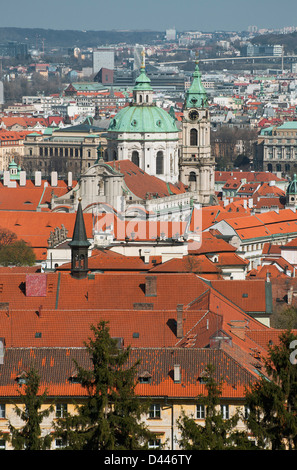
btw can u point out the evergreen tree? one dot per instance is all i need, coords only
(29, 436)
(272, 400)
(216, 433)
(111, 416)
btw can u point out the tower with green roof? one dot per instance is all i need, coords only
(291, 193)
(196, 163)
(145, 133)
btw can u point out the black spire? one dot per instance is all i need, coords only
(79, 246)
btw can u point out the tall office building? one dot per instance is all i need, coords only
(137, 57)
(103, 58)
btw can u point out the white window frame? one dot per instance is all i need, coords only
(200, 412)
(2, 411)
(225, 411)
(61, 410)
(155, 411)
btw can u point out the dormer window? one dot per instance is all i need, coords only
(145, 377)
(22, 378)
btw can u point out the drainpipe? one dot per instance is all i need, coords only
(170, 407)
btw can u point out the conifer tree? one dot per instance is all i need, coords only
(110, 418)
(29, 437)
(216, 433)
(272, 400)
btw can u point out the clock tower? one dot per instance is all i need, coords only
(196, 163)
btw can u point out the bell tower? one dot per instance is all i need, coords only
(79, 247)
(196, 165)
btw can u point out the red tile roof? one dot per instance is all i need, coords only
(29, 197)
(35, 227)
(144, 185)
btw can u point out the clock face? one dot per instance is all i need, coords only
(193, 114)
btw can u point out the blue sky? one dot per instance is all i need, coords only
(157, 15)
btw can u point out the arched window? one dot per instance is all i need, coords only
(160, 163)
(135, 158)
(287, 167)
(278, 167)
(269, 167)
(192, 176)
(193, 137)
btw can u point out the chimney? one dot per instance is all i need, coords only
(6, 178)
(290, 295)
(179, 321)
(69, 179)
(37, 178)
(238, 328)
(151, 286)
(54, 178)
(2, 350)
(176, 373)
(23, 178)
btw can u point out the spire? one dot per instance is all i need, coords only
(79, 247)
(196, 96)
(79, 237)
(142, 82)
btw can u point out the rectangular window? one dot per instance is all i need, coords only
(225, 411)
(60, 444)
(200, 412)
(61, 410)
(246, 412)
(155, 411)
(2, 444)
(2, 411)
(154, 444)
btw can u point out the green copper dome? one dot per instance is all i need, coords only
(142, 115)
(196, 96)
(147, 119)
(292, 187)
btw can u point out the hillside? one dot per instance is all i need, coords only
(72, 38)
(289, 41)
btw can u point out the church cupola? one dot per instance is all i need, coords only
(79, 247)
(143, 91)
(196, 96)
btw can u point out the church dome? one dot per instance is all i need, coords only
(144, 119)
(142, 115)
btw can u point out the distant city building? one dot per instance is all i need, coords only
(1, 94)
(170, 34)
(104, 76)
(14, 49)
(254, 50)
(137, 57)
(103, 58)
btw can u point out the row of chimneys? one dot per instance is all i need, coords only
(37, 179)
